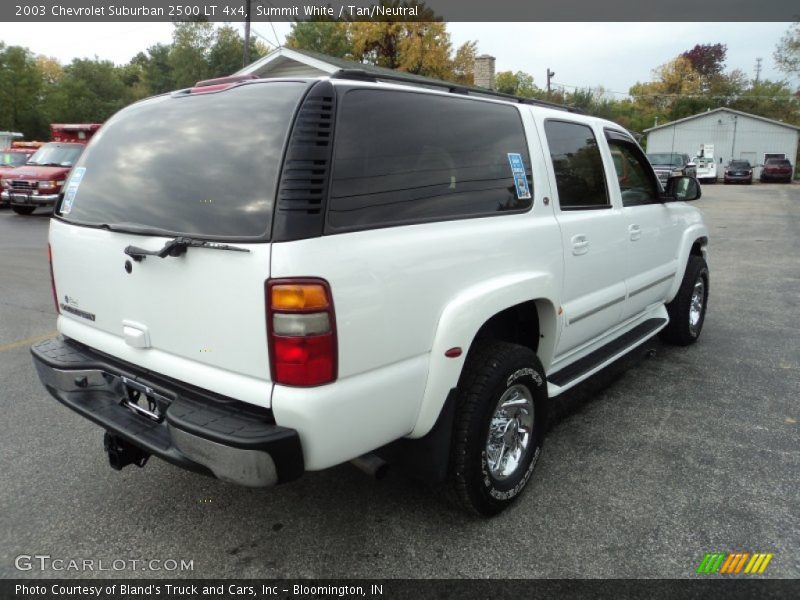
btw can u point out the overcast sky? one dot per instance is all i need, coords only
(612, 55)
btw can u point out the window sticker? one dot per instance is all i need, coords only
(520, 178)
(72, 189)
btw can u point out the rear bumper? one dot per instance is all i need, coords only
(28, 199)
(775, 176)
(738, 178)
(215, 436)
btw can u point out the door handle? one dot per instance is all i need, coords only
(580, 244)
(635, 232)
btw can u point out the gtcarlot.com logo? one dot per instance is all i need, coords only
(732, 563)
(45, 562)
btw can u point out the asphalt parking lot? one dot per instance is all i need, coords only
(647, 466)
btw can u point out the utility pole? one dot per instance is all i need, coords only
(246, 52)
(758, 69)
(550, 75)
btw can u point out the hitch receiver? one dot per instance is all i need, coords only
(122, 453)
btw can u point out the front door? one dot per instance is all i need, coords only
(651, 227)
(593, 291)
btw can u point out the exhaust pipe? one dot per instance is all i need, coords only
(372, 464)
(122, 453)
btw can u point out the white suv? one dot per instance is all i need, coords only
(255, 278)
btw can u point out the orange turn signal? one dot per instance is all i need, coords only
(305, 296)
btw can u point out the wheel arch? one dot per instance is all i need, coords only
(693, 243)
(503, 309)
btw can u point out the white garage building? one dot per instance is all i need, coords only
(733, 133)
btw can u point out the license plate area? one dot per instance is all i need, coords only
(143, 400)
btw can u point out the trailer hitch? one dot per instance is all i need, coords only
(122, 453)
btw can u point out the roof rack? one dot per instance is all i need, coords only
(453, 88)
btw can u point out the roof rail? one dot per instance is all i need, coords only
(453, 88)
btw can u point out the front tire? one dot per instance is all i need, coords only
(687, 311)
(23, 210)
(499, 427)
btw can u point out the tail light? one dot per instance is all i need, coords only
(301, 330)
(52, 278)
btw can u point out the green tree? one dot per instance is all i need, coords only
(463, 63)
(225, 55)
(188, 55)
(155, 70)
(787, 52)
(517, 84)
(326, 37)
(21, 86)
(90, 91)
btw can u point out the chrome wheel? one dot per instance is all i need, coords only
(696, 305)
(510, 432)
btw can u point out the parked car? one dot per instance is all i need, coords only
(739, 171)
(671, 164)
(15, 156)
(415, 288)
(777, 169)
(39, 181)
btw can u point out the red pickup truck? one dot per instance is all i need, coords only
(38, 182)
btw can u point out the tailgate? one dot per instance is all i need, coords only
(199, 317)
(199, 168)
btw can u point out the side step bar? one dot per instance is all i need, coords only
(570, 374)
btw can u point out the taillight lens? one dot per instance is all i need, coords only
(301, 326)
(52, 278)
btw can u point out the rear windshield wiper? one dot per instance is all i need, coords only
(177, 247)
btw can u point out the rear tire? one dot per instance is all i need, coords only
(23, 210)
(499, 426)
(687, 311)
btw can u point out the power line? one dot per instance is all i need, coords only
(272, 25)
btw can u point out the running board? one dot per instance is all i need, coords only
(581, 368)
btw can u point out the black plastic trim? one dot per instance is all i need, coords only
(301, 198)
(231, 423)
(426, 458)
(453, 88)
(580, 367)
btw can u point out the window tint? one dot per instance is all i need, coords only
(406, 157)
(577, 164)
(635, 178)
(203, 164)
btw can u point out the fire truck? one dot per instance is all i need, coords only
(38, 182)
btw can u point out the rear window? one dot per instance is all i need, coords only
(740, 164)
(407, 157)
(205, 165)
(778, 162)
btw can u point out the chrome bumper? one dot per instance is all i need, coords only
(29, 199)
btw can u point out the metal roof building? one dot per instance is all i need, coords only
(734, 134)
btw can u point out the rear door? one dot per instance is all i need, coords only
(203, 166)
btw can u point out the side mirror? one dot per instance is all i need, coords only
(682, 189)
